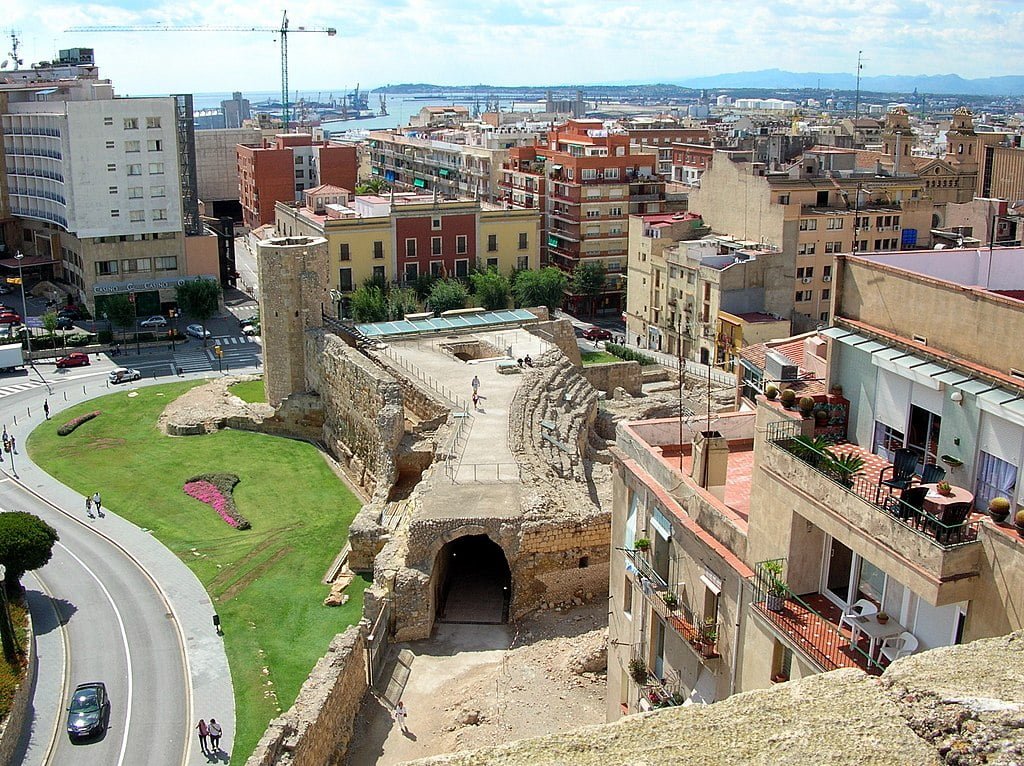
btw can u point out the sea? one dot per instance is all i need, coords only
(400, 106)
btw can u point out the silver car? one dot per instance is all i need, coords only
(197, 331)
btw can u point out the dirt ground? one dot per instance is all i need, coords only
(476, 685)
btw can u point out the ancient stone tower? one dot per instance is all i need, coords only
(293, 292)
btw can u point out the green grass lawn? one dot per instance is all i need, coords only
(598, 357)
(250, 391)
(264, 582)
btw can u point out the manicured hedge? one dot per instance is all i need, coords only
(624, 352)
(74, 423)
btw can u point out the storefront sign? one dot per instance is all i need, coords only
(145, 285)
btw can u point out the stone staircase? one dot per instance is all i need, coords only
(550, 418)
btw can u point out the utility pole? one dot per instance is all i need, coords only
(856, 101)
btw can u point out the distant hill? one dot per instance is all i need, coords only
(1009, 85)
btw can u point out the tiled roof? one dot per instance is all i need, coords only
(793, 350)
(325, 189)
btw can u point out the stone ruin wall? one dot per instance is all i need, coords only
(363, 416)
(608, 377)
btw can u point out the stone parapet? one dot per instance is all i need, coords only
(608, 377)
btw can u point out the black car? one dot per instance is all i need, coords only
(89, 711)
(65, 323)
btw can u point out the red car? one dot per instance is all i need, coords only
(10, 317)
(597, 333)
(76, 359)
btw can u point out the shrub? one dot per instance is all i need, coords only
(78, 340)
(628, 354)
(216, 490)
(74, 423)
(771, 391)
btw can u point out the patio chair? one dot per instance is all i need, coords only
(851, 617)
(953, 517)
(932, 474)
(903, 466)
(902, 645)
(911, 509)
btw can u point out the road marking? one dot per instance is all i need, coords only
(66, 645)
(127, 650)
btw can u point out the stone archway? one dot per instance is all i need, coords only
(472, 581)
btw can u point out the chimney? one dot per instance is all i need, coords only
(710, 462)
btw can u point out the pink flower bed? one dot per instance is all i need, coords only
(215, 490)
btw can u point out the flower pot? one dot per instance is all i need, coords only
(775, 603)
(998, 516)
(882, 618)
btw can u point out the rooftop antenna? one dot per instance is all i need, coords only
(856, 101)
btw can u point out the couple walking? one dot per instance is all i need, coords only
(96, 501)
(211, 730)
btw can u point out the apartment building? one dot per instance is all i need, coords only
(817, 207)
(908, 385)
(592, 181)
(702, 296)
(217, 167)
(689, 161)
(282, 168)
(456, 162)
(396, 239)
(99, 191)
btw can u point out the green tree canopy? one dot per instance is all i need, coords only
(369, 304)
(402, 301)
(50, 321)
(492, 289)
(199, 299)
(120, 311)
(589, 279)
(540, 288)
(26, 543)
(375, 185)
(447, 294)
(423, 284)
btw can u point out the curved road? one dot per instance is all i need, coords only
(112, 605)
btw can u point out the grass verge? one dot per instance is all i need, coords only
(264, 582)
(249, 391)
(598, 357)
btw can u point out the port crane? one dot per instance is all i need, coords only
(281, 31)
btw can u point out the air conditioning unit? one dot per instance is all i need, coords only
(826, 278)
(806, 280)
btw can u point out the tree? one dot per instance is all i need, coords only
(374, 185)
(402, 301)
(199, 299)
(120, 311)
(422, 285)
(588, 279)
(369, 304)
(447, 294)
(540, 288)
(26, 543)
(493, 289)
(50, 323)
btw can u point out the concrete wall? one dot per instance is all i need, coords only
(317, 729)
(21, 703)
(217, 161)
(608, 377)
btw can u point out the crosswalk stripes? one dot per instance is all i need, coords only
(8, 390)
(192, 360)
(235, 340)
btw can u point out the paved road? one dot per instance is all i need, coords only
(115, 627)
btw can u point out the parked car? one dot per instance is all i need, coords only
(65, 323)
(597, 333)
(70, 312)
(197, 331)
(74, 359)
(89, 711)
(123, 375)
(10, 317)
(248, 329)
(154, 321)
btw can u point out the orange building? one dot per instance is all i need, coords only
(282, 168)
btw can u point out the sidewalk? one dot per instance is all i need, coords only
(210, 678)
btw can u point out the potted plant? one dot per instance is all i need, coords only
(999, 509)
(671, 599)
(638, 670)
(787, 397)
(845, 466)
(642, 544)
(709, 635)
(1018, 521)
(806, 405)
(821, 416)
(777, 591)
(944, 488)
(771, 392)
(836, 390)
(882, 618)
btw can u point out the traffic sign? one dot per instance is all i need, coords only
(36, 322)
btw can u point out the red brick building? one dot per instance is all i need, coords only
(280, 170)
(587, 182)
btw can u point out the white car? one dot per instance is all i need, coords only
(197, 331)
(124, 374)
(156, 321)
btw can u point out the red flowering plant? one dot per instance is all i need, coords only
(215, 489)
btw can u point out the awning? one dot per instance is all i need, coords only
(1003, 405)
(28, 261)
(419, 182)
(443, 172)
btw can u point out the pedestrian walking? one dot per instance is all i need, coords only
(46, 408)
(401, 713)
(14, 445)
(215, 734)
(204, 732)
(476, 384)
(88, 506)
(476, 401)
(96, 502)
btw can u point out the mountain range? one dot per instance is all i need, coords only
(1009, 85)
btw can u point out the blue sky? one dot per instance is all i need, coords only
(529, 42)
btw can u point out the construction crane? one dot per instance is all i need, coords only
(282, 32)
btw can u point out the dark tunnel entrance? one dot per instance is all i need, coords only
(472, 581)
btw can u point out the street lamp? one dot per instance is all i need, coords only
(24, 306)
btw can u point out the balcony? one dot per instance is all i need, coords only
(810, 625)
(702, 636)
(938, 561)
(12, 151)
(655, 692)
(48, 132)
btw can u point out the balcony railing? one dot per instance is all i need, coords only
(701, 635)
(14, 151)
(643, 568)
(656, 692)
(35, 173)
(785, 435)
(806, 629)
(49, 132)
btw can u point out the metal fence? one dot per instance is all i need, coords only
(434, 385)
(487, 473)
